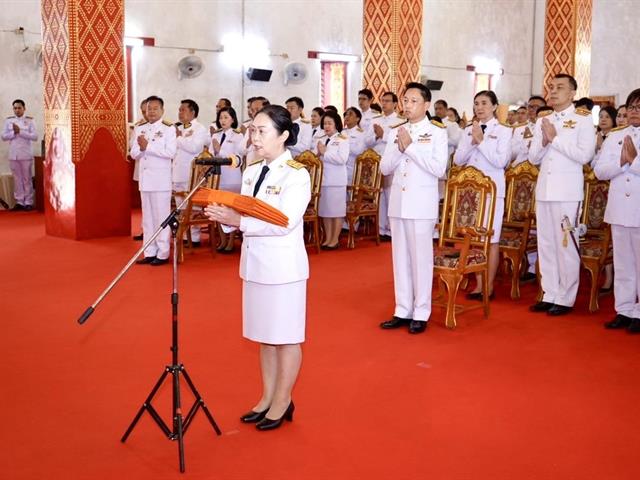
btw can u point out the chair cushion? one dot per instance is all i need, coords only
(449, 257)
(365, 207)
(593, 248)
(510, 238)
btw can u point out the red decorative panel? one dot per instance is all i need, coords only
(392, 40)
(567, 42)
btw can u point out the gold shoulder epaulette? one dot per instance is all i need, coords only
(11, 116)
(583, 111)
(237, 130)
(30, 118)
(186, 125)
(437, 124)
(399, 124)
(617, 129)
(359, 129)
(401, 117)
(255, 162)
(545, 113)
(377, 116)
(167, 123)
(295, 164)
(505, 124)
(304, 120)
(342, 136)
(141, 122)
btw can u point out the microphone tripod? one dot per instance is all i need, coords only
(180, 423)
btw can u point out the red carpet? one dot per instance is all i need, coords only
(515, 396)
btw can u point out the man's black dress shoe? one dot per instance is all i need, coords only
(395, 322)
(417, 326)
(634, 327)
(385, 238)
(28, 208)
(268, 424)
(159, 261)
(604, 291)
(558, 310)
(528, 277)
(17, 207)
(478, 296)
(146, 260)
(193, 244)
(619, 321)
(138, 238)
(541, 307)
(253, 417)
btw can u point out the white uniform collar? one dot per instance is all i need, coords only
(282, 158)
(567, 111)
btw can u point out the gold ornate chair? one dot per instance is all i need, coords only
(311, 220)
(519, 214)
(463, 246)
(364, 197)
(596, 248)
(193, 215)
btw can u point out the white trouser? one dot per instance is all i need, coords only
(156, 206)
(559, 264)
(195, 229)
(412, 249)
(22, 182)
(626, 266)
(383, 213)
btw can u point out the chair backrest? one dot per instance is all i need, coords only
(367, 177)
(469, 201)
(521, 192)
(596, 193)
(454, 171)
(198, 171)
(314, 166)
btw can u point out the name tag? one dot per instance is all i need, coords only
(273, 190)
(425, 138)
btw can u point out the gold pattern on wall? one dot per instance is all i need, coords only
(392, 40)
(567, 42)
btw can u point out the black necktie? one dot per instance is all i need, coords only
(313, 134)
(483, 127)
(326, 142)
(263, 174)
(224, 135)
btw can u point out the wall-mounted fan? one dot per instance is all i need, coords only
(294, 72)
(190, 67)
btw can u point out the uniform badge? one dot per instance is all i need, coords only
(425, 138)
(273, 190)
(493, 136)
(527, 133)
(248, 181)
(158, 134)
(569, 124)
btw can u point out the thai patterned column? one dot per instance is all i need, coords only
(392, 41)
(87, 185)
(567, 42)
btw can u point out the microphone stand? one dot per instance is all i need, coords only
(180, 423)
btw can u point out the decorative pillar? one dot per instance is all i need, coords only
(392, 40)
(567, 42)
(87, 184)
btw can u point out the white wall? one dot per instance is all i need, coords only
(457, 32)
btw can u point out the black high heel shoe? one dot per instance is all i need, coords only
(268, 424)
(253, 417)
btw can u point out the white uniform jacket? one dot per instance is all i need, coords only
(304, 138)
(194, 137)
(334, 173)
(454, 134)
(357, 144)
(491, 156)
(520, 142)
(318, 135)
(385, 122)
(234, 144)
(623, 205)
(155, 161)
(561, 178)
(414, 189)
(273, 254)
(20, 144)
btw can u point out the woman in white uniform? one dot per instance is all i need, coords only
(273, 263)
(317, 133)
(486, 145)
(228, 141)
(334, 153)
(357, 139)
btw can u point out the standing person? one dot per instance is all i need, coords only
(273, 265)
(365, 97)
(191, 138)
(256, 104)
(563, 141)
(621, 117)
(357, 139)
(486, 145)
(228, 141)
(620, 163)
(317, 133)
(416, 156)
(136, 163)
(155, 146)
(295, 105)
(606, 122)
(20, 130)
(334, 153)
(523, 133)
(454, 132)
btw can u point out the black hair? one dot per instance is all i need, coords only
(367, 93)
(455, 114)
(226, 101)
(612, 112)
(376, 107)
(319, 111)
(281, 121)
(624, 105)
(331, 107)
(633, 97)
(264, 101)
(572, 81)
(424, 91)
(144, 102)
(232, 114)
(251, 99)
(154, 98)
(442, 102)
(537, 97)
(334, 116)
(394, 97)
(584, 102)
(356, 111)
(544, 108)
(490, 94)
(17, 100)
(193, 106)
(521, 108)
(298, 101)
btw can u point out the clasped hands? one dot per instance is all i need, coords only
(16, 129)
(222, 214)
(404, 139)
(548, 132)
(629, 151)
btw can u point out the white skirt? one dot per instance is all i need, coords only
(274, 314)
(497, 220)
(333, 203)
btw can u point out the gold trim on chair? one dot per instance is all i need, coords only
(363, 205)
(311, 220)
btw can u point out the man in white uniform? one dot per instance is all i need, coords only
(155, 147)
(295, 105)
(563, 141)
(416, 155)
(20, 130)
(191, 137)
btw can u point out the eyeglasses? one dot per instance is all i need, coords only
(633, 108)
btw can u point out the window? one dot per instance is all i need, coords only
(483, 81)
(333, 84)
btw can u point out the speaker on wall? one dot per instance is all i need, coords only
(259, 74)
(434, 84)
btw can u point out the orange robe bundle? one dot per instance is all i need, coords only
(246, 205)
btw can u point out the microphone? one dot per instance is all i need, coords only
(233, 161)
